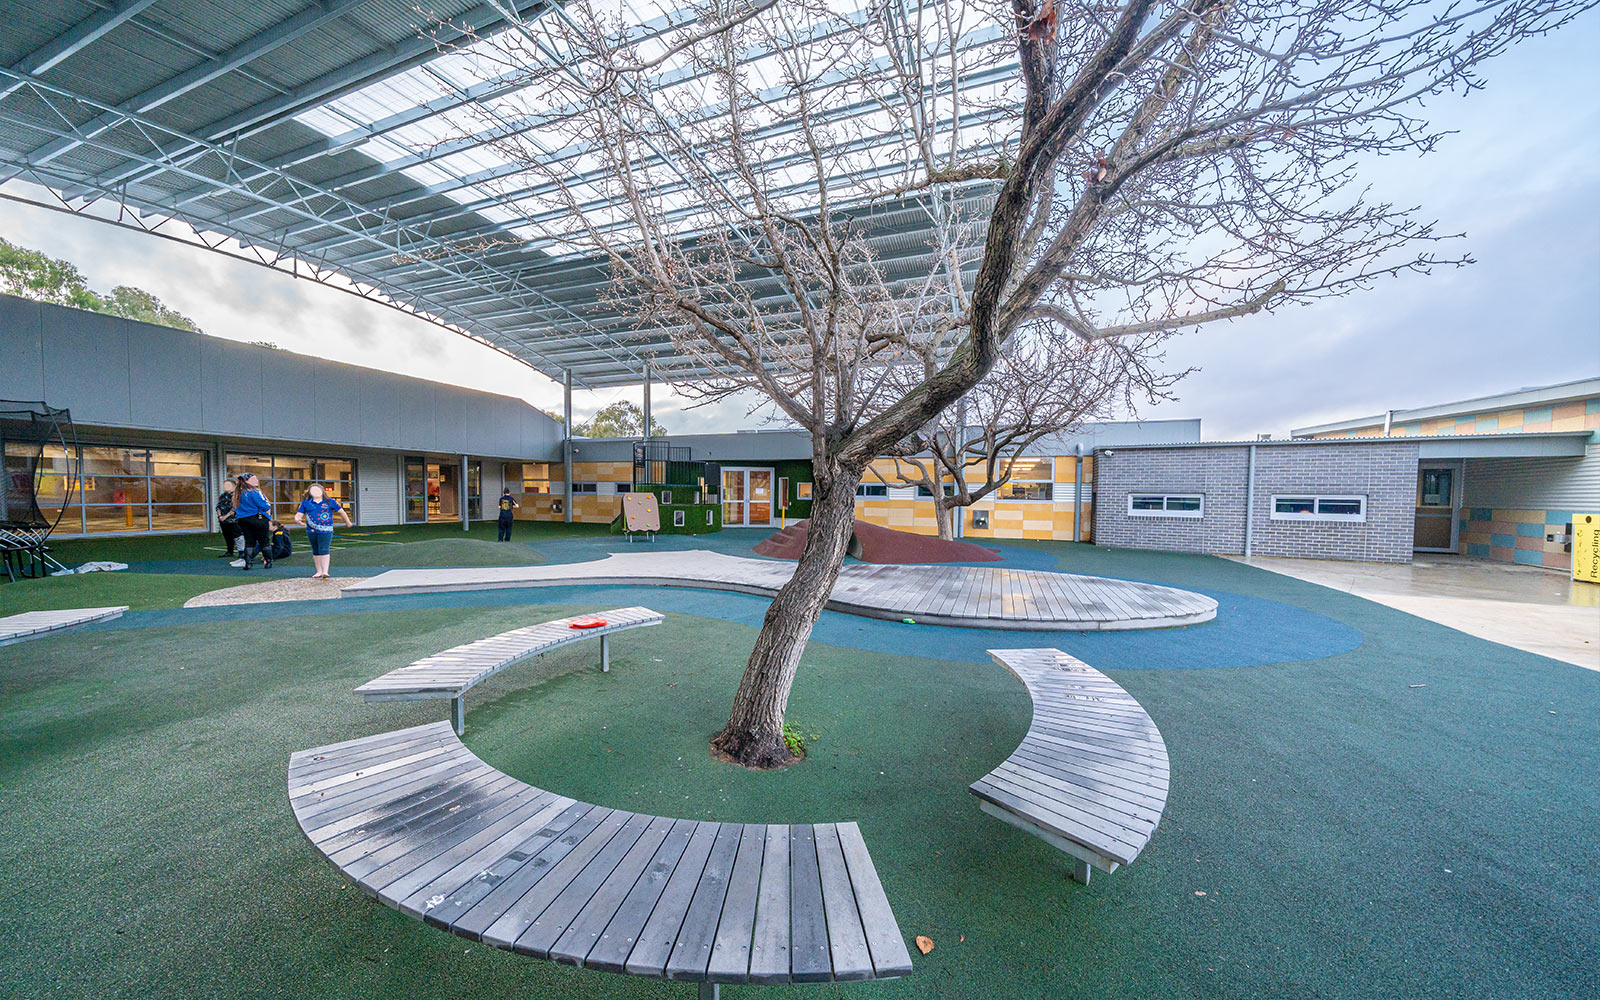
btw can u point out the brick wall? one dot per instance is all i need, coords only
(1384, 473)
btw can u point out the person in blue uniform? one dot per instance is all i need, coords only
(252, 511)
(508, 503)
(316, 513)
(282, 545)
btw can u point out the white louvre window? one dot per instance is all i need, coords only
(1166, 504)
(1312, 507)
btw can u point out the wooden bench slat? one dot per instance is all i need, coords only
(447, 912)
(654, 947)
(769, 941)
(584, 929)
(515, 919)
(553, 922)
(691, 952)
(549, 853)
(809, 961)
(730, 952)
(847, 942)
(890, 957)
(467, 823)
(456, 867)
(617, 941)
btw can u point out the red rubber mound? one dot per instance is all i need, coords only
(874, 544)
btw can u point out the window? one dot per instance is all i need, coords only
(1031, 479)
(677, 518)
(578, 488)
(1310, 507)
(711, 517)
(1166, 504)
(286, 480)
(475, 490)
(122, 489)
(666, 497)
(923, 493)
(624, 488)
(871, 491)
(536, 477)
(802, 491)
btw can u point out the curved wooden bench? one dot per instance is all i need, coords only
(418, 821)
(1090, 778)
(452, 673)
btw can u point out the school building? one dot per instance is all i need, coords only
(166, 415)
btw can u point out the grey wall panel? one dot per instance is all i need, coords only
(288, 397)
(118, 374)
(1570, 484)
(86, 365)
(230, 390)
(164, 377)
(22, 373)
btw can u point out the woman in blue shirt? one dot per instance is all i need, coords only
(316, 513)
(251, 510)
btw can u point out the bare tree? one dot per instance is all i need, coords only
(1047, 381)
(1116, 170)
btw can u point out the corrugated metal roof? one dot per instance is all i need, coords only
(309, 131)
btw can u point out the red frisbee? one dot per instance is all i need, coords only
(588, 621)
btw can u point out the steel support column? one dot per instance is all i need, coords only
(566, 446)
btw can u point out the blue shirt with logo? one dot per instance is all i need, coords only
(253, 503)
(319, 513)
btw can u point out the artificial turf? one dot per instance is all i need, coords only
(1354, 834)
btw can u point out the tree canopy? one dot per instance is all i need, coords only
(42, 278)
(620, 419)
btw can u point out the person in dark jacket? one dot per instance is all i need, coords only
(252, 511)
(226, 519)
(282, 547)
(508, 503)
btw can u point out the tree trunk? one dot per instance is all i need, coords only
(754, 733)
(941, 515)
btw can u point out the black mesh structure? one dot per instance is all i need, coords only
(26, 431)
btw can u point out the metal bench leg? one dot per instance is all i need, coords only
(1080, 871)
(708, 991)
(605, 654)
(458, 713)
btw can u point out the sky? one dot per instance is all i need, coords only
(1520, 178)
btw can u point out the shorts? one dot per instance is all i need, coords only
(321, 541)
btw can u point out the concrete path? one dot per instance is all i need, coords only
(965, 596)
(1536, 610)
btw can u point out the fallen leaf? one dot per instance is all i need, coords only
(924, 944)
(1197, 892)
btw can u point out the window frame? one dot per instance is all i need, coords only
(1166, 508)
(1049, 483)
(1315, 513)
(872, 496)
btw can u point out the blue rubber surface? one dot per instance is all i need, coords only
(1248, 631)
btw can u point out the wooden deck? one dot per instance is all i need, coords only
(416, 820)
(1090, 778)
(33, 624)
(452, 673)
(966, 596)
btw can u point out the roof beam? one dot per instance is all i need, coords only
(72, 41)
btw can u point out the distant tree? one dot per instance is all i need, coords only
(34, 275)
(136, 303)
(269, 345)
(620, 419)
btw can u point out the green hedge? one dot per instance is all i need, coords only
(698, 518)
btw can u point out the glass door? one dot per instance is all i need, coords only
(1436, 509)
(746, 497)
(760, 489)
(733, 497)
